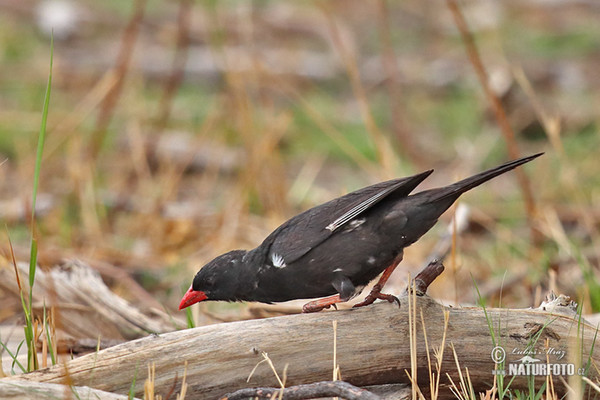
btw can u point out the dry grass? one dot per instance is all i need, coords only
(149, 389)
(265, 110)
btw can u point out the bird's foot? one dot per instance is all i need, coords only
(376, 294)
(321, 304)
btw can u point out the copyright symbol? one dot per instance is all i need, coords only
(498, 354)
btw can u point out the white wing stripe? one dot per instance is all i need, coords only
(358, 209)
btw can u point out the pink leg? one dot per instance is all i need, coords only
(376, 291)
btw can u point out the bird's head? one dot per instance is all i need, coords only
(217, 280)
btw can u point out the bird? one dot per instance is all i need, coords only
(332, 251)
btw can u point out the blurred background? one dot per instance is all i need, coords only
(179, 130)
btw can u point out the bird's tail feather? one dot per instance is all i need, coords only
(460, 187)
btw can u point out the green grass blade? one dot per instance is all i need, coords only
(588, 365)
(49, 338)
(75, 393)
(14, 356)
(189, 318)
(490, 324)
(32, 268)
(188, 311)
(503, 387)
(32, 361)
(38, 160)
(42, 133)
(131, 394)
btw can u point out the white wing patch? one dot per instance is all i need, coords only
(278, 261)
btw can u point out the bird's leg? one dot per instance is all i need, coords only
(320, 304)
(376, 291)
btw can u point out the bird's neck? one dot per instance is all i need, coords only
(247, 275)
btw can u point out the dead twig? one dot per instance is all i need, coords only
(427, 276)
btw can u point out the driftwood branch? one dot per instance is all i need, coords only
(372, 348)
(309, 391)
(24, 390)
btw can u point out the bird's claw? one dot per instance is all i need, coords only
(376, 294)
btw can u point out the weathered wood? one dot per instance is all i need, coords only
(309, 391)
(86, 306)
(24, 390)
(372, 348)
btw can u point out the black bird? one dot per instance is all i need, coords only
(334, 249)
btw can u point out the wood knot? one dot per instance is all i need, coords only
(532, 330)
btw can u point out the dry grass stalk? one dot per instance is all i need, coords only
(453, 261)
(592, 384)
(150, 387)
(183, 392)
(464, 391)
(285, 368)
(329, 129)
(575, 382)
(2, 374)
(407, 145)
(44, 346)
(270, 363)
(336, 367)
(385, 155)
(550, 393)
(434, 376)
(499, 112)
(122, 65)
(67, 129)
(184, 19)
(16, 269)
(412, 331)
(551, 123)
(279, 380)
(149, 383)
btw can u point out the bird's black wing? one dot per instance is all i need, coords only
(307, 230)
